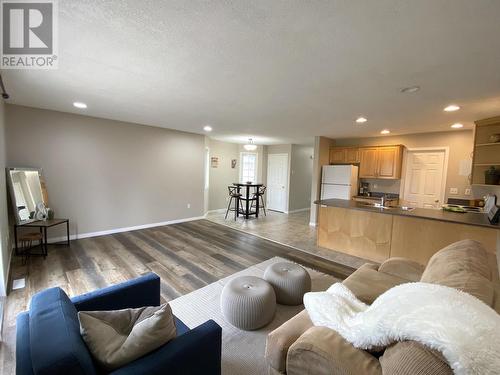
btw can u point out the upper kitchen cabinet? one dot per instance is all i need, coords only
(486, 155)
(344, 155)
(368, 164)
(382, 162)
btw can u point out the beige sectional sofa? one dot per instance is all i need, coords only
(299, 348)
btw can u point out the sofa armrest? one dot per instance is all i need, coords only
(139, 292)
(197, 351)
(23, 348)
(322, 351)
(279, 341)
(402, 267)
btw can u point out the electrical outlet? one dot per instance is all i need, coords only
(453, 190)
(467, 191)
(189, 205)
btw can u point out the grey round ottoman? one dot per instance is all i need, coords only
(248, 302)
(290, 282)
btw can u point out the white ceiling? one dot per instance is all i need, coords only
(278, 71)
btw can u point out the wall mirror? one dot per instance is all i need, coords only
(27, 193)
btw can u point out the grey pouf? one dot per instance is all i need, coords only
(290, 282)
(248, 302)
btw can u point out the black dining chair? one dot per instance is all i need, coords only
(233, 194)
(259, 194)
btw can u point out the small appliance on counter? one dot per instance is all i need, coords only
(492, 209)
(364, 188)
(339, 181)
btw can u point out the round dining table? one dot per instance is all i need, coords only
(247, 196)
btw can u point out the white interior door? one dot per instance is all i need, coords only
(424, 179)
(277, 182)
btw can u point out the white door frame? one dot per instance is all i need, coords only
(446, 150)
(287, 185)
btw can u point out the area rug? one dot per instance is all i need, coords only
(242, 351)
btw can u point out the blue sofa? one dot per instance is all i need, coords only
(49, 341)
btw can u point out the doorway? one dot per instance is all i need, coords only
(425, 177)
(277, 182)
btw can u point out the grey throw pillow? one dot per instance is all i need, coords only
(118, 337)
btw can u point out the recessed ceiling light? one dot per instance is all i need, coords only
(361, 120)
(385, 131)
(207, 128)
(80, 105)
(410, 89)
(457, 126)
(451, 108)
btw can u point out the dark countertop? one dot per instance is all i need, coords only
(477, 219)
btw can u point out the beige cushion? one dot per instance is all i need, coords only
(402, 267)
(462, 265)
(322, 351)
(463, 256)
(117, 337)
(367, 283)
(412, 358)
(279, 341)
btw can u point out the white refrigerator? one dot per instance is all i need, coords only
(339, 181)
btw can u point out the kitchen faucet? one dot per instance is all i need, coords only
(382, 200)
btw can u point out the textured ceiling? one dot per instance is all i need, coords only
(278, 71)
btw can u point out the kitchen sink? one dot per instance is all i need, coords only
(377, 205)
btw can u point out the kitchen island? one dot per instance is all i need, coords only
(378, 233)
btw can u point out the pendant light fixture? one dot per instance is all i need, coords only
(250, 146)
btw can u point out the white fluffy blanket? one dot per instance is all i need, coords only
(464, 329)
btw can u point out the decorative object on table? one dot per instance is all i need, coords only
(494, 138)
(41, 212)
(248, 302)
(214, 162)
(51, 213)
(290, 282)
(250, 145)
(118, 337)
(492, 176)
(233, 163)
(249, 182)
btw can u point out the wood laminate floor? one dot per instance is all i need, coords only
(186, 256)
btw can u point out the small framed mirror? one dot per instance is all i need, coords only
(27, 192)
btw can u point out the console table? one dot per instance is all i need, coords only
(42, 225)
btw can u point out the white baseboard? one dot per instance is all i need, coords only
(120, 230)
(219, 210)
(299, 210)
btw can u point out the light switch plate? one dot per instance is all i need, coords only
(467, 191)
(453, 190)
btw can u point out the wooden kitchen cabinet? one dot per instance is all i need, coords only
(381, 162)
(337, 155)
(368, 162)
(390, 160)
(344, 155)
(352, 155)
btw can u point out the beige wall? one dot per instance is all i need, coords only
(300, 177)
(105, 175)
(222, 176)
(460, 144)
(5, 248)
